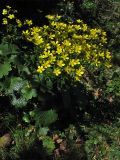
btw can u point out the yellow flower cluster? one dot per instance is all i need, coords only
(69, 48)
(9, 14)
(65, 48)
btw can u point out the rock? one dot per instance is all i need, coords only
(5, 140)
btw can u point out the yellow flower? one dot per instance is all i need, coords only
(40, 69)
(28, 22)
(80, 71)
(104, 33)
(108, 55)
(59, 50)
(26, 32)
(19, 23)
(68, 69)
(57, 71)
(67, 43)
(45, 54)
(58, 17)
(77, 78)
(102, 54)
(78, 21)
(77, 36)
(8, 7)
(48, 46)
(4, 12)
(77, 27)
(38, 40)
(93, 32)
(104, 39)
(52, 36)
(65, 56)
(88, 46)
(60, 63)
(70, 28)
(35, 30)
(78, 48)
(46, 64)
(5, 21)
(45, 27)
(96, 62)
(53, 23)
(74, 62)
(84, 28)
(11, 16)
(50, 17)
(60, 25)
(52, 59)
(108, 65)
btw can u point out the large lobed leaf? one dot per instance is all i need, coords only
(5, 68)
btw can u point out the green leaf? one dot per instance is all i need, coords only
(26, 69)
(47, 117)
(19, 103)
(26, 118)
(22, 68)
(16, 84)
(6, 49)
(49, 84)
(32, 113)
(20, 91)
(28, 93)
(5, 69)
(43, 131)
(48, 144)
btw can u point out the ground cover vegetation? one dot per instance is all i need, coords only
(60, 81)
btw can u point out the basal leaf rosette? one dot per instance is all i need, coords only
(69, 49)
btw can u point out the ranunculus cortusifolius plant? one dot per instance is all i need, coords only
(66, 49)
(69, 49)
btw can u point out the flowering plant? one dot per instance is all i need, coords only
(69, 49)
(65, 49)
(36, 63)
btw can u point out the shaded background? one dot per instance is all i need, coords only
(31, 9)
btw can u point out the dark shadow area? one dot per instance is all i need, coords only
(31, 9)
